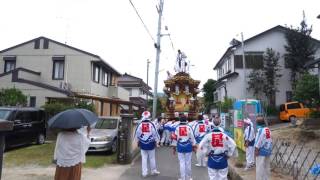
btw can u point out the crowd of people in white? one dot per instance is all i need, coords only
(204, 136)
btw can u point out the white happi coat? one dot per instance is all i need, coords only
(147, 135)
(219, 147)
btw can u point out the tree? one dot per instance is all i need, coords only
(160, 108)
(12, 97)
(307, 90)
(256, 82)
(271, 71)
(208, 90)
(266, 79)
(299, 49)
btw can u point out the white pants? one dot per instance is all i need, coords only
(145, 154)
(201, 157)
(218, 174)
(165, 137)
(185, 165)
(250, 155)
(262, 167)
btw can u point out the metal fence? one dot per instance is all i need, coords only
(295, 160)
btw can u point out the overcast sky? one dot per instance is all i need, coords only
(112, 30)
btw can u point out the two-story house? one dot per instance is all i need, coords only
(230, 68)
(44, 69)
(139, 91)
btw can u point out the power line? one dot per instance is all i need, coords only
(146, 28)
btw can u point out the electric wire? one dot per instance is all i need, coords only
(144, 25)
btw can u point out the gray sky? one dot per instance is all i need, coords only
(111, 29)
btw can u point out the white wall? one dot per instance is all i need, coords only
(78, 67)
(275, 40)
(29, 90)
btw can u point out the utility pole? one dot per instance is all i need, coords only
(244, 77)
(319, 65)
(157, 46)
(148, 62)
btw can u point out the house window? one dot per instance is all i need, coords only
(37, 43)
(130, 92)
(105, 78)
(58, 68)
(289, 96)
(229, 65)
(238, 62)
(45, 44)
(96, 73)
(253, 61)
(32, 102)
(9, 63)
(112, 80)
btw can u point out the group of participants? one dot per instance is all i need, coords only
(205, 137)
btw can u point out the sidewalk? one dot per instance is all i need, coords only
(240, 174)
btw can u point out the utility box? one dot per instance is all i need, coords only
(125, 138)
(5, 126)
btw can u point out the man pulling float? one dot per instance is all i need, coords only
(219, 148)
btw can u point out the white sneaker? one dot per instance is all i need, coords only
(198, 165)
(155, 172)
(144, 176)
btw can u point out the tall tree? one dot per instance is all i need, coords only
(208, 89)
(265, 81)
(256, 82)
(271, 70)
(299, 49)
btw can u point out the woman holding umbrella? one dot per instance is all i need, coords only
(72, 141)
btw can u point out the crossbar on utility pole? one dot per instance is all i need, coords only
(155, 90)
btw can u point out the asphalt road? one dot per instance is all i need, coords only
(168, 166)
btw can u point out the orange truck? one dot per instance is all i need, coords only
(291, 110)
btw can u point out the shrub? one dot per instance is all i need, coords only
(56, 107)
(12, 97)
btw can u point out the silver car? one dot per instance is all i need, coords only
(104, 135)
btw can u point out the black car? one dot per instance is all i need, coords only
(29, 125)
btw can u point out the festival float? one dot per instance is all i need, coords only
(181, 90)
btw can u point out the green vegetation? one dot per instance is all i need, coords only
(300, 49)
(266, 79)
(42, 155)
(56, 107)
(307, 90)
(226, 105)
(160, 107)
(208, 89)
(12, 97)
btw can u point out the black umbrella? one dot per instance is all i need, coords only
(72, 119)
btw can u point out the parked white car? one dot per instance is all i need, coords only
(104, 135)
